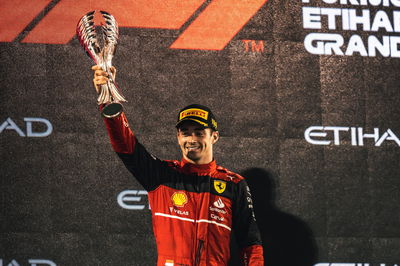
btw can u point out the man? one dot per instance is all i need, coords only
(195, 203)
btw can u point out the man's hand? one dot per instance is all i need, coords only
(101, 77)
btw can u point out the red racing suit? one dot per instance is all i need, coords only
(194, 207)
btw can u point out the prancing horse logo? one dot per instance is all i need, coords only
(219, 186)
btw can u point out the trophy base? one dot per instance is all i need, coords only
(112, 110)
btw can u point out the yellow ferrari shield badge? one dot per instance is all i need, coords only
(219, 186)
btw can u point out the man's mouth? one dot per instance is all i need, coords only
(193, 148)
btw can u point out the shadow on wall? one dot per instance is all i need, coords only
(287, 240)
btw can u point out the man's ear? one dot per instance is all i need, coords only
(215, 137)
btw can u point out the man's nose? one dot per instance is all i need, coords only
(192, 138)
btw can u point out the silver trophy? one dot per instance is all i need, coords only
(86, 32)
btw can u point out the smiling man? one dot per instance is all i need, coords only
(195, 203)
(195, 136)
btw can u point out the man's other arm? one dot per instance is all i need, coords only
(245, 228)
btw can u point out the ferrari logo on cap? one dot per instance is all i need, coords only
(219, 186)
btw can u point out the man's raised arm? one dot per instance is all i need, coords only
(121, 136)
(147, 169)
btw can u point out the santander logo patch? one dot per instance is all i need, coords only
(219, 204)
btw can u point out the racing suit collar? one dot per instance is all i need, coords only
(191, 168)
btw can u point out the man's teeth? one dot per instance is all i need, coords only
(193, 148)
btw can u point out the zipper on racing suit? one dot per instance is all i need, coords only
(198, 252)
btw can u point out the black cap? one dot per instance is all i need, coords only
(198, 113)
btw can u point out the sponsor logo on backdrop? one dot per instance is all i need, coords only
(358, 16)
(358, 136)
(354, 264)
(204, 25)
(133, 199)
(44, 124)
(254, 46)
(31, 262)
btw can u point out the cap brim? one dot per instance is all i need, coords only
(191, 119)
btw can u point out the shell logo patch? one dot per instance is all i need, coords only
(179, 199)
(219, 186)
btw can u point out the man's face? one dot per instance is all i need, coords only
(196, 142)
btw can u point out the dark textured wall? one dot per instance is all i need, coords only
(315, 203)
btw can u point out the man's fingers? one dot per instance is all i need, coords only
(97, 87)
(96, 67)
(100, 73)
(113, 72)
(100, 80)
(101, 77)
